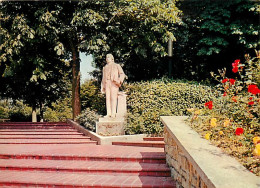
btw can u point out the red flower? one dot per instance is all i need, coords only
(224, 94)
(251, 103)
(235, 65)
(225, 80)
(235, 69)
(250, 98)
(209, 105)
(239, 131)
(232, 81)
(253, 89)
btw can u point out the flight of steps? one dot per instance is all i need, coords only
(56, 155)
(147, 142)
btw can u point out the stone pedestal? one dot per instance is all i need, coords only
(114, 126)
(121, 105)
(110, 126)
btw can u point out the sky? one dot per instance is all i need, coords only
(85, 66)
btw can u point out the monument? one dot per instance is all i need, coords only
(112, 78)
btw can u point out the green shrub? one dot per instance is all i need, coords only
(147, 101)
(60, 111)
(19, 112)
(88, 119)
(4, 110)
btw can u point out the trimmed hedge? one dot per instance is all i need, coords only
(147, 101)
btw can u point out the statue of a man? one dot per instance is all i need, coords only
(113, 77)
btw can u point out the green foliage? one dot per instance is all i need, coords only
(19, 112)
(147, 101)
(212, 34)
(59, 111)
(91, 97)
(4, 109)
(88, 119)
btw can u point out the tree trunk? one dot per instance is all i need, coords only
(76, 106)
(34, 115)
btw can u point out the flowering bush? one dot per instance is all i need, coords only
(231, 120)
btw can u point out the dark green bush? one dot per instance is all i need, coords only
(147, 101)
(88, 119)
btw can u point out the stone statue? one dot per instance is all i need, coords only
(113, 77)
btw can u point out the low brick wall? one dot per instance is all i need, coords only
(195, 163)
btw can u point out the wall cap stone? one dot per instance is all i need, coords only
(216, 168)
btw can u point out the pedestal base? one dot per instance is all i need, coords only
(110, 126)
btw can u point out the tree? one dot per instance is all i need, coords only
(28, 62)
(94, 27)
(213, 34)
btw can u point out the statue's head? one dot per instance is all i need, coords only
(109, 58)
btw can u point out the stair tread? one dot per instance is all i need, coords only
(153, 138)
(37, 130)
(44, 141)
(83, 151)
(43, 137)
(82, 165)
(142, 142)
(40, 133)
(81, 179)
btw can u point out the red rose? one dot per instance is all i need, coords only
(251, 103)
(209, 105)
(253, 89)
(235, 69)
(225, 80)
(232, 81)
(224, 94)
(236, 63)
(239, 131)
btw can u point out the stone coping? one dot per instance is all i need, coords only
(105, 140)
(215, 167)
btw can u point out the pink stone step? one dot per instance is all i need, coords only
(69, 179)
(157, 144)
(35, 127)
(97, 167)
(23, 133)
(43, 137)
(33, 123)
(88, 152)
(38, 130)
(47, 141)
(153, 139)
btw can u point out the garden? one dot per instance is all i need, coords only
(213, 76)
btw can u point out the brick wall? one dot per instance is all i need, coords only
(182, 170)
